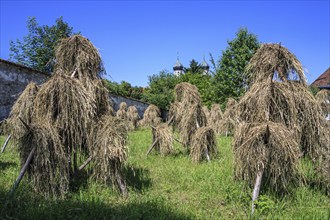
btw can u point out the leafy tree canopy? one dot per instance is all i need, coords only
(229, 80)
(37, 49)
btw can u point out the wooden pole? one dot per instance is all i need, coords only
(5, 144)
(89, 159)
(256, 188)
(23, 170)
(24, 123)
(152, 146)
(171, 120)
(122, 186)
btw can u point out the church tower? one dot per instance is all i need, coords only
(178, 68)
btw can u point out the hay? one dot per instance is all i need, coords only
(203, 143)
(164, 136)
(272, 61)
(151, 116)
(49, 169)
(215, 117)
(230, 119)
(23, 108)
(64, 103)
(77, 56)
(121, 113)
(173, 114)
(188, 111)
(193, 118)
(133, 117)
(108, 145)
(269, 146)
(323, 98)
(290, 104)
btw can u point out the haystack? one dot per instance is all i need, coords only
(277, 103)
(204, 145)
(48, 171)
(73, 120)
(273, 61)
(76, 56)
(189, 111)
(23, 108)
(323, 98)
(108, 147)
(267, 148)
(133, 117)
(214, 120)
(162, 139)
(121, 113)
(151, 116)
(66, 104)
(229, 118)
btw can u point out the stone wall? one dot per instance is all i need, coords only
(14, 78)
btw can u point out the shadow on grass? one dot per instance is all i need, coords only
(27, 206)
(5, 165)
(137, 178)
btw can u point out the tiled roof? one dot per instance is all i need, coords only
(323, 79)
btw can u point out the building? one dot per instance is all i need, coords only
(323, 80)
(179, 69)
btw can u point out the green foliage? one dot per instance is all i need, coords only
(170, 187)
(37, 49)
(124, 89)
(160, 89)
(229, 79)
(194, 67)
(313, 89)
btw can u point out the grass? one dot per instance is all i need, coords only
(170, 187)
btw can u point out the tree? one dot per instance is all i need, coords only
(229, 80)
(161, 88)
(124, 89)
(37, 49)
(194, 67)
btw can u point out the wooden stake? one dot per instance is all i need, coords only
(23, 170)
(24, 123)
(171, 120)
(5, 144)
(256, 189)
(89, 159)
(122, 186)
(152, 146)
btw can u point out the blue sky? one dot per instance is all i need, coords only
(140, 38)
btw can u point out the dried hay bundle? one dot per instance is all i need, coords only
(215, 118)
(227, 124)
(186, 93)
(173, 114)
(23, 108)
(230, 103)
(203, 145)
(49, 169)
(102, 100)
(193, 118)
(64, 102)
(133, 116)
(272, 61)
(323, 98)
(269, 147)
(163, 135)
(207, 112)
(151, 116)
(121, 113)
(77, 56)
(108, 146)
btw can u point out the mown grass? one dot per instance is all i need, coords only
(170, 187)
